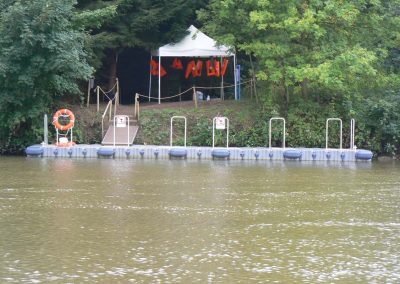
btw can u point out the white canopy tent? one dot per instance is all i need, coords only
(195, 44)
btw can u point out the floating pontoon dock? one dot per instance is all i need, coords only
(199, 153)
(129, 151)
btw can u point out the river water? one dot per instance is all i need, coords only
(146, 221)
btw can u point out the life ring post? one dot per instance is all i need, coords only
(64, 127)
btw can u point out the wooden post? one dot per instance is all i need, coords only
(251, 88)
(98, 98)
(255, 88)
(194, 97)
(253, 79)
(137, 106)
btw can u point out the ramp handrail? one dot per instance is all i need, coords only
(270, 130)
(171, 129)
(126, 125)
(327, 129)
(226, 120)
(104, 115)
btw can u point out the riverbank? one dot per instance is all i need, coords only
(305, 125)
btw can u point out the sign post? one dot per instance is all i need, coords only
(221, 123)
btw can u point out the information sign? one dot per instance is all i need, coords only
(121, 121)
(220, 123)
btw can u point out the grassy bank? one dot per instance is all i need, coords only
(155, 124)
(248, 125)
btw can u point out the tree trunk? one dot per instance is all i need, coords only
(304, 88)
(253, 78)
(113, 69)
(285, 88)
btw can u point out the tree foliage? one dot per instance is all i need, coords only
(42, 58)
(331, 47)
(342, 54)
(136, 23)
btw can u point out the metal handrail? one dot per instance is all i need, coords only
(327, 128)
(284, 130)
(172, 119)
(352, 132)
(227, 130)
(104, 115)
(116, 100)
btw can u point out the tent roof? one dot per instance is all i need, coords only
(195, 44)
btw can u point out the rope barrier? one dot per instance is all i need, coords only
(223, 87)
(196, 87)
(115, 84)
(105, 93)
(170, 97)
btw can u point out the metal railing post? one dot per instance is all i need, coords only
(171, 129)
(270, 131)
(327, 130)
(352, 132)
(45, 130)
(227, 130)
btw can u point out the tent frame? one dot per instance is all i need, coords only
(222, 77)
(198, 45)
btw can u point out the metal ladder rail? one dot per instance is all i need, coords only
(327, 130)
(171, 129)
(352, 132)
(227, 130)
(284, 131)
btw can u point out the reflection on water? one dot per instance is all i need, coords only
(125, 221)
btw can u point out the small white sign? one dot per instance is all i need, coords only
(121, 121)
(220, 123)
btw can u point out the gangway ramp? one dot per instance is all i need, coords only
(125, 132)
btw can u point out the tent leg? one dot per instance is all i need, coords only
(151, 58)
(234, 75)
(159, 78)
(222, 92)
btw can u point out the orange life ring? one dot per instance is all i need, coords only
(64, 112)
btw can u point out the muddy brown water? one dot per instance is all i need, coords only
(146, 221)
